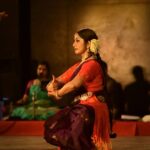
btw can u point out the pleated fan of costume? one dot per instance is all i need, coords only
(72, 127)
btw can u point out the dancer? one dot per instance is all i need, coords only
(88, 74)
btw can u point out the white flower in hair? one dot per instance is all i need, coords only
(94, 46)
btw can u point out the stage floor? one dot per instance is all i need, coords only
(38, 143)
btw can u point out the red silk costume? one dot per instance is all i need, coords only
(94, 82)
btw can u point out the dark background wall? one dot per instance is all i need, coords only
(9, 49)
(43, 29)
(14, 47)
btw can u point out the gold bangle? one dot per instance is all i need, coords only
(57, 95)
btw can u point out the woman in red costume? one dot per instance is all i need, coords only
(90, 75)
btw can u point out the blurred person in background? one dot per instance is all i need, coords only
(115, 95)
(35, 103)
(137, 94)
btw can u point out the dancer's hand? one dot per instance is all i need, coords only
(52, 88)
(54, 94)
(52, 85)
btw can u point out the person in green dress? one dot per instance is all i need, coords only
(35, 103)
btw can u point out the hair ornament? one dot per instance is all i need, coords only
(94, 46)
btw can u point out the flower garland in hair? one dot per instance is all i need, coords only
(94, 46)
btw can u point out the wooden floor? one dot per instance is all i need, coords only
(38, 143)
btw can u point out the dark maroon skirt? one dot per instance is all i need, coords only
(71, 128)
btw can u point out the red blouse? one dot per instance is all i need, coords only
(92, 73)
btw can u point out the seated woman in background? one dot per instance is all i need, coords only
(35, 103)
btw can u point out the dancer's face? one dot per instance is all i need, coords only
(79, 45)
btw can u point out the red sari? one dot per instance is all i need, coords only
(94, 82)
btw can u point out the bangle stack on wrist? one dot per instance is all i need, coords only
(57, 95)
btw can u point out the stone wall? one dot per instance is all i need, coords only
(123, 29)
